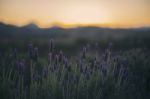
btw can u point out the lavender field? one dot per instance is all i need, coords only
(90, 74)
(74, 49)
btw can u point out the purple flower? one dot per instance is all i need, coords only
(49, 58)
(21, 66)
(60, 56)
(56, 59)
(104, 69)
(80, 65)
(106, 55)
(94, 62)
(56, 62)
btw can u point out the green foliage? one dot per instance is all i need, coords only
(109, 75)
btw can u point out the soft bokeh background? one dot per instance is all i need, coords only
(73, 23)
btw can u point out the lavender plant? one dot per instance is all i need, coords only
(106, 75)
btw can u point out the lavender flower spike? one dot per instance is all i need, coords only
(50, 58)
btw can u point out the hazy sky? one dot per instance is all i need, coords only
(114, 13)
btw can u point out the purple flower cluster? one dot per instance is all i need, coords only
(33, 52)
(21, 66)
(68, 71)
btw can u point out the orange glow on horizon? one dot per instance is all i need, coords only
(69, 25)
(74, 13)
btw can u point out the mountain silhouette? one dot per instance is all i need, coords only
(7, 30)
(30, 26)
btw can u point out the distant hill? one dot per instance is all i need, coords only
(30, 26)
(132, 36)
(32, 29)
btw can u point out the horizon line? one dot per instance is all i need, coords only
(66, 26)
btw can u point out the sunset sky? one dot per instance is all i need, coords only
(45, 13)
